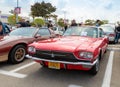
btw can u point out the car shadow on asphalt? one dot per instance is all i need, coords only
(62, 76)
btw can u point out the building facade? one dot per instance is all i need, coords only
(4, 18)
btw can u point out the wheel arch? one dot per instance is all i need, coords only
(24, 44)
(100, 54)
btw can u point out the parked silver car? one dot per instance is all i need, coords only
(110, 32)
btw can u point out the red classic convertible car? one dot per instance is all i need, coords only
(80, 48)
(13, 46)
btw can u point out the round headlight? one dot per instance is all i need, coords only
(31, 49)
(89, 55)
(86, 54)
(81, 54)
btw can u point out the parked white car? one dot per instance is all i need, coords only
(110, 32)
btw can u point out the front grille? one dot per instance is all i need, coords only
(56, 55)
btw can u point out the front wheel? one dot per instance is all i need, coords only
(43, 64)
(95, 68)
(17, 54)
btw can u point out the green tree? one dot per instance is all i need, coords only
(92, 22)
(42, 9)
(12, 19)
(104, 21)
(89, 22)
(61, 22)
(39, 22)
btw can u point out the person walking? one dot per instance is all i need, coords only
(65, 24)
(28, 24)
(1, 28)
(22, 23)
(50, 24)
(117, 30)
(97, 23)
(73, 23)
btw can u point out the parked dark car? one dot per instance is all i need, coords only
(13, 46)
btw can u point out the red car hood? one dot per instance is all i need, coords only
(69, 44)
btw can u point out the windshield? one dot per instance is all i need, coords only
(23, 32)
(82, 31)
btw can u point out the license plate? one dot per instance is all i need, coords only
(54, 65)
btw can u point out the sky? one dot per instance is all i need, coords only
(79, 10)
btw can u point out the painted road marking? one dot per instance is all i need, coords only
(113, 48)
(22, 67)
(108, 72)
(74, 86)
(12, 74)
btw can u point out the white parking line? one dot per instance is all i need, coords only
(74, 85)
(22, 67)
(108, 72)
(12, 74)
(113, 48)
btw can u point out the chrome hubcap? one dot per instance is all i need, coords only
(19, 54)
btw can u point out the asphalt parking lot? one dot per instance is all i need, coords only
(31, 74)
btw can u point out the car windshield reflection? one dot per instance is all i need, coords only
(81, 31)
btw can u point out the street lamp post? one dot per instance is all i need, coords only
(17, 13)
(64, 15)
(0, 15)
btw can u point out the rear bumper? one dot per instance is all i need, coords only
(64, 62)
(111, 38)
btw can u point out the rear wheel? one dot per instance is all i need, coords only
(17, 54)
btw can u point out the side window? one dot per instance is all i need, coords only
(44, 32)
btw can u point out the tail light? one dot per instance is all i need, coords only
(111, 35)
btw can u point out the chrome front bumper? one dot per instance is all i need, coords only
(64, 62)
